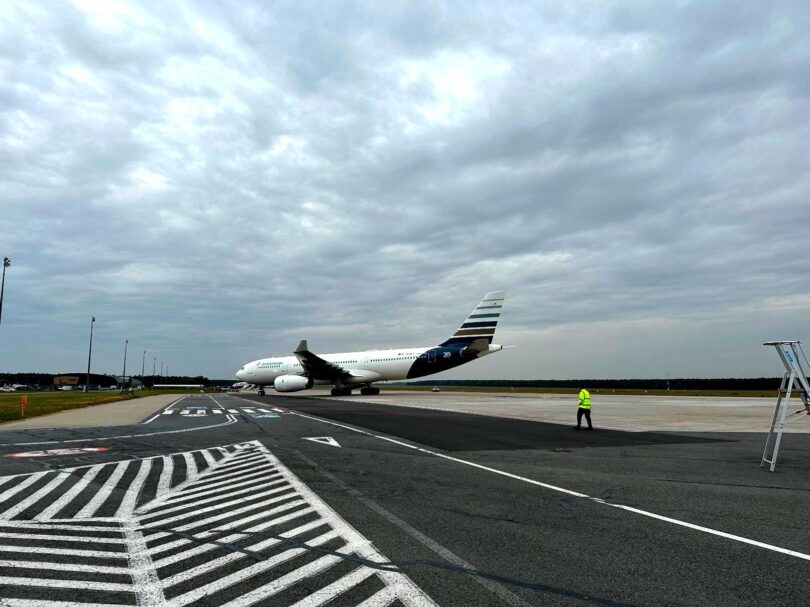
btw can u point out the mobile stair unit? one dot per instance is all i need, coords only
(797, 370)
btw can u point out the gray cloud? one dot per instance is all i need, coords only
(216, 183)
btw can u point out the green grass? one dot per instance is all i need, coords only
(44, 403)
(505, 390)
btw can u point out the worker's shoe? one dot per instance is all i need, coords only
(577, 428)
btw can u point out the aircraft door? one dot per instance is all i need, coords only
(431, 356)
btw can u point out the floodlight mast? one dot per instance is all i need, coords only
(6, 264)
(797, 370)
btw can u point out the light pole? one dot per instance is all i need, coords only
(6, 264)
(167, 370)
(143, 368)
(124, 372)
(161, 368)
(154, 362)
(89, 353)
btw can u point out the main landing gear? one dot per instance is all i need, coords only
(261, 391)
(369, 390)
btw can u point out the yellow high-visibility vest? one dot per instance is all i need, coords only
(584, 399)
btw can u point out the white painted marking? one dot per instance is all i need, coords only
(233, 411)
(168, 412)
(146, 584)
(172, 519)
(102, 494)
(293, 577)
(246, 410)
(216, 531)
(63, 538)
(258, 480)
(324, 440)
(169, 408)
(21, 485)
(219, 411)
(230, 421)
(49, 566)
(191, 466)
(36, 496)
(216, 498)
(336, 588)
(151, 419)
(68, 552)
(530, 481)
(56, 583)
(248, 572)
(208, 457)
(134, 490)
(165, 480)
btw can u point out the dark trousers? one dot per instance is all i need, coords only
(587, 414)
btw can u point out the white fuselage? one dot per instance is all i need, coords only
(365, 366)
(374, 365)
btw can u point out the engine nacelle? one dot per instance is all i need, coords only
(292, 383)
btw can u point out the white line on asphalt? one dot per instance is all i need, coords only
(336, 588)
(250, 571)
(172, 519)
(230, 421)
(134, 490)
(504, 594)
(20, 486)
(173, 403)
(218, 530)
(122, 569)
(530, 481)
(191, 466)
(62, 538)
(220, 493)
(36, 495)
(216, 498)
(293, 577)
(65, 552)
(102, 494)
(225, 515)
(54, 583)
(233, 411)
(151, 419)
(165, 480)
(264, 474)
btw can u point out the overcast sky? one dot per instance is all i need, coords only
(215, 181)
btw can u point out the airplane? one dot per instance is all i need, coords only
(348, 370)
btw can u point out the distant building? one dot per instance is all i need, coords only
(78, 379)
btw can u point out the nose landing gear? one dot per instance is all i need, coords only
(261, 391)
(341, 391)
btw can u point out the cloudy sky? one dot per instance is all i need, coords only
(215, 181)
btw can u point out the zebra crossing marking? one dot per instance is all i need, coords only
(186, 526)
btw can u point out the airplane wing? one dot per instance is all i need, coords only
(315, 366)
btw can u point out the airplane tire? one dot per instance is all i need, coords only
(261, 392)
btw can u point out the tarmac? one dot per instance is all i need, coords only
(301, 500)
(621, 412)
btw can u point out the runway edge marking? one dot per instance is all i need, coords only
(653, 515)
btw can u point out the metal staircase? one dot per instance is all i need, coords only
(797, 370)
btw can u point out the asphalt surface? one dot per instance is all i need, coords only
(229, 500)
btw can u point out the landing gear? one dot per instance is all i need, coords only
(261, 391)
(369, 391)
(341, 391)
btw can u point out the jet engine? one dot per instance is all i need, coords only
(292, 383)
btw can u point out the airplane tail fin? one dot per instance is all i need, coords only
(481, 323)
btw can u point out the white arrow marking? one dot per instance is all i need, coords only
(326, 440)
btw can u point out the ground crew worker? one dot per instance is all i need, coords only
(584, 409)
